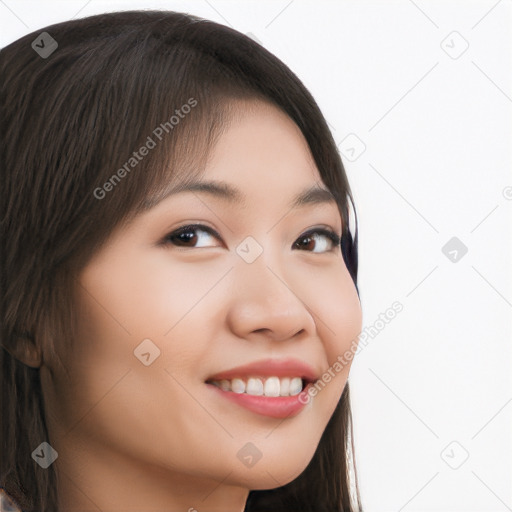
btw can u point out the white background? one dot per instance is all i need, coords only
(433, 122)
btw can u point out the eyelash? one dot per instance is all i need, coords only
(329, 234)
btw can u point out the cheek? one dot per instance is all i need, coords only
(109, 387)
(149, 296)
(339, 322)
(338, 312)
(125, 301)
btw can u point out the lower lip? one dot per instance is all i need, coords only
(275, 407)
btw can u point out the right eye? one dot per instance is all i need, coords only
(192, 235)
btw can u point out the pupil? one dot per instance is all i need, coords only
(306, 241)
(186, 236)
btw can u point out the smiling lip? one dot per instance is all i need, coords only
(275, 407)
(270, 368)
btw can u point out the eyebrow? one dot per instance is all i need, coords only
(221, 190)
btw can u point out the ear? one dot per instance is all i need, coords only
(26, 350)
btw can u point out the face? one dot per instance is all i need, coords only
(164, 308)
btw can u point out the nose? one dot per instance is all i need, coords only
(263, 301)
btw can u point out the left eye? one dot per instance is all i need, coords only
(196, 236)
(323, 239)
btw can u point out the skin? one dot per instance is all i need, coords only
(133, 437)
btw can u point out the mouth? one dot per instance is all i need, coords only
(278, 388)
(275, 397)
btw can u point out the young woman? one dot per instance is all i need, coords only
(180, 304)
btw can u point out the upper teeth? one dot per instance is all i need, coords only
(271, 386)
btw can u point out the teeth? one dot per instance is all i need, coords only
(254, 387)
(271, 386)
(225, 385)
(295, 386)
(285, 386)
(238, 386)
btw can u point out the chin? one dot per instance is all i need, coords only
(271, 476)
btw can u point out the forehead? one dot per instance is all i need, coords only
(260, 153)
(261, 141)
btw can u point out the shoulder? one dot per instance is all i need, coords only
(6, 503)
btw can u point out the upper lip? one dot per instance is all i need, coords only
(269, 368)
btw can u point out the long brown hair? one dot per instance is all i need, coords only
(72, 118)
